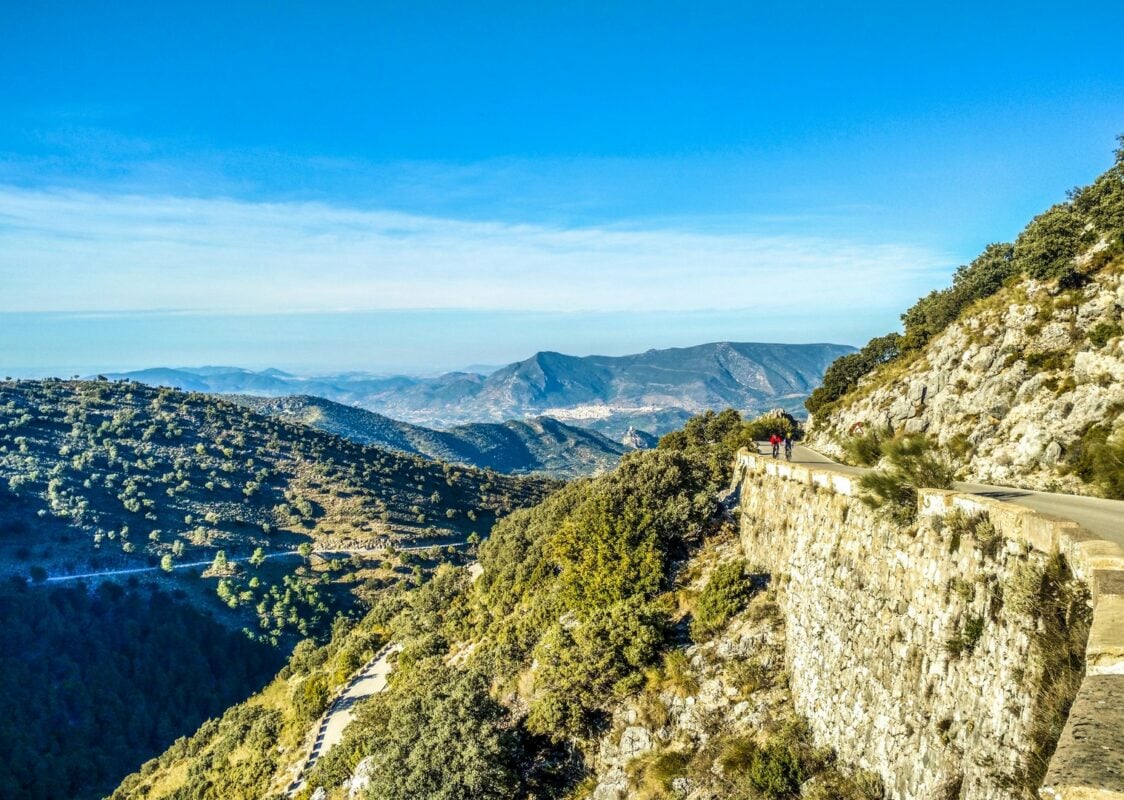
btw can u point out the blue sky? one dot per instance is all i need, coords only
(488, 179)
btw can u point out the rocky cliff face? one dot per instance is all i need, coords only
(1009, 389)
(736, 686)
(941, 655)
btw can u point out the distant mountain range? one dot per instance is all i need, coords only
(653, 391)
(539, 444)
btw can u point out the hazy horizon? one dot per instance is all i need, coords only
(387, 343)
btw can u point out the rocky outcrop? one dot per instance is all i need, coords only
(1009, 389)
(715, 702)
(943, 655)
(638, 439)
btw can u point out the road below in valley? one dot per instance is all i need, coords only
(326, 553)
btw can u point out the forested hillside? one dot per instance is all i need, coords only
(540, 445)
(99, 475)
(1017, 369)
(289, 528)
(99, 680)
(584, 604)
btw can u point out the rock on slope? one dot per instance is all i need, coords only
(1010, 388)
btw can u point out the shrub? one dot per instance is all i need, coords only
(310, 698)
(916, 458)
(677, 674)
(913, 463)
(652, 774)
(747, 676)
(1103, 332)
(776, 769)
(864, 450)
(1023, 592)
(1098, 459)
(1048, 245)
(889, 492)
(969, 636)
(1047, 361)
(979, 526)
(726, 593)
(833, 784)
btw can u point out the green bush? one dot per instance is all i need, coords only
(310, 698)
(1047, 361)
(864, 450)
(913, 462)
(917, 458)
(969, 636)
(776, 769)
(652, 774)
(581, 665)
(726, 593)
(1098, 459)
(1104, 332)
(1047, 246)
(439, 734)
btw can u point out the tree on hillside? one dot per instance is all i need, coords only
(441, 711)
(1048, 245)
(845, 372)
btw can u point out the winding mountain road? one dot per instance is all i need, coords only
(369, 680)
(371, 551)
(1105, 518)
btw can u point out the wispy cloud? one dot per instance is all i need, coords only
(75, 251)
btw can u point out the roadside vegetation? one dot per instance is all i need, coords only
(910, 462)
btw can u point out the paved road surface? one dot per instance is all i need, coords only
(1102, 517)
(368, 681)
(281, 554)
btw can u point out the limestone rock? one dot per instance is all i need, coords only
(1012, 387)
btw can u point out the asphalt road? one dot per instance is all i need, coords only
(280, 554)
(370, 680)
(1105, 518)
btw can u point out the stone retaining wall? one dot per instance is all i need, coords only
(910, 652)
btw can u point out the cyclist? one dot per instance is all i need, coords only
(788, 446)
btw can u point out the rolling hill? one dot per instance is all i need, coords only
(517, 446)
(188, 511)
(655, 391)
(115, 473)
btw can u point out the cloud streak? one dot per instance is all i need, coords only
(68, 251)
